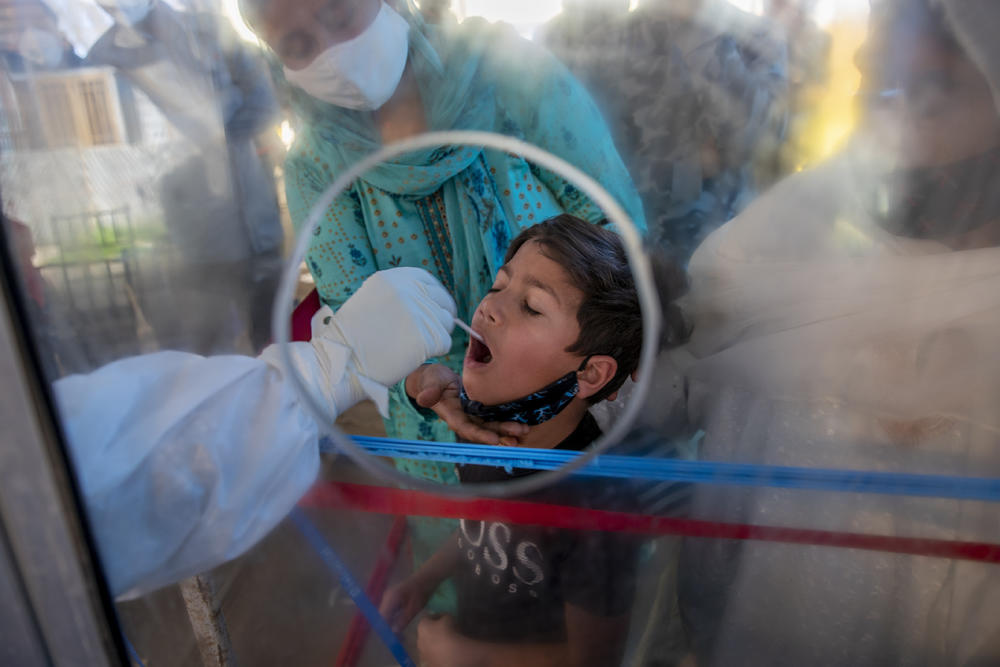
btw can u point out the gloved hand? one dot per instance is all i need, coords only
(396, 320)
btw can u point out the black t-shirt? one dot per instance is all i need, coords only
(513, 581)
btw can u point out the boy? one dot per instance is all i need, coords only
(561, 330)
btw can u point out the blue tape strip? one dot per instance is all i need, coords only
(352, 587)
(132, 653)
(702, 472)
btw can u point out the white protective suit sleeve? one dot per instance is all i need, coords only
(185, 462)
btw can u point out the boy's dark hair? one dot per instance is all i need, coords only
(609, 316)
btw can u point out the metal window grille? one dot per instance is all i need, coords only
(94, 279)
(77, 107)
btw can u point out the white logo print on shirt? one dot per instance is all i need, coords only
(490, 544)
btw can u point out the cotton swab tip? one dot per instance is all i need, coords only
(465, 327)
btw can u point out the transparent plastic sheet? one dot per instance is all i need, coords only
(159, 202)
(814, 480)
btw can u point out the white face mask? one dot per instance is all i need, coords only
(361, 73)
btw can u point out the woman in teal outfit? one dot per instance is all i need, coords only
(451, 210)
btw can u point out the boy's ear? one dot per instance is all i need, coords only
(599, 371)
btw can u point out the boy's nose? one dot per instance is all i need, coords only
(490, 309)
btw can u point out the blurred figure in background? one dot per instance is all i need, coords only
(221, 203)
(809, 50)
(848, 319)
(30, 39)
(696, 95)
(436, 11)
(587, 37)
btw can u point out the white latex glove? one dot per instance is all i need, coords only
(396, 320)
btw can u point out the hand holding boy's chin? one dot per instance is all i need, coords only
(437, 387)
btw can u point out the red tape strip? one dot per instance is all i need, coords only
(382, 500)
(357, 633)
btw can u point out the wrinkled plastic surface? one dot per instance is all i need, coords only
(811, 480)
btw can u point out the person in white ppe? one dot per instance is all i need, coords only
(185, 461)
(215, 185)
(849, 319)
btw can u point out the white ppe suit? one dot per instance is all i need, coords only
(185, 462)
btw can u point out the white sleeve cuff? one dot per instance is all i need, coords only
(328, 370)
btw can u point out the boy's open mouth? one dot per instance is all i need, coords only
(479, 352)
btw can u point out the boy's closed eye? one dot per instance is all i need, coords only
(525, 306)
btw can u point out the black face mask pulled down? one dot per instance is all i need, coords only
(942, 202)
(533, 409)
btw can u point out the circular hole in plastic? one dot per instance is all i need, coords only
(638, 262)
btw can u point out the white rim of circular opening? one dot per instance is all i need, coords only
(638, 261)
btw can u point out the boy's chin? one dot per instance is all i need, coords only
(472, 390)
(475, 390)
(476, 376)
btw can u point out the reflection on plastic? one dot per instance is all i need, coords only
(352, 587)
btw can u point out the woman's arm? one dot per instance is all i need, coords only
(404, 601)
